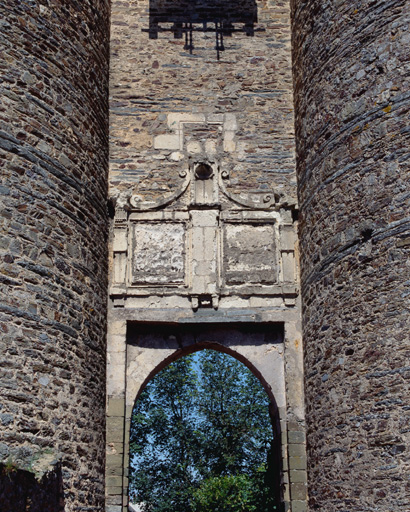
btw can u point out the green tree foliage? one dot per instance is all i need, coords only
(229, 493)
(201, 436)
(235, 493)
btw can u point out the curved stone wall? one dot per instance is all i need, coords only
(53, 157)
(351, 70)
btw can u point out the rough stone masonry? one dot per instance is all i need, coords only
(53, 271)
(352, 96)
(155, 78)
(174, 104)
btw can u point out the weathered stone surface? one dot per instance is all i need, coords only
(150, 264)
(21, 490)
(250, 254)
(53, 178)
(156, 83)
(352, 82)
(297, 475)
(299, 506)
(170, 107)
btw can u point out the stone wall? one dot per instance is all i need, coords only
(53, 157)
(203, 189)
(352, 82)
(155, 75)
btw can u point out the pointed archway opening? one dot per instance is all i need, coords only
(205, 436)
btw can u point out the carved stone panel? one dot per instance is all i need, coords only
(204, 245)
(158, 253)
(249, 254)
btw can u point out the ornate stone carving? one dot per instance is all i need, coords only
(203, 243)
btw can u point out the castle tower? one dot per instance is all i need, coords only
(53, 154)
(351, 71)
(204, 247)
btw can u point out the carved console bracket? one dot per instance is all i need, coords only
(137, 204)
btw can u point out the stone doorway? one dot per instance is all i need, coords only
(204, 265)
(149, 347)
(236, 395)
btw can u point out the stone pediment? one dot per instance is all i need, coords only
(203, 242)
(205, 185)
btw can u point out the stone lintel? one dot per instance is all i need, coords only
(187, 316)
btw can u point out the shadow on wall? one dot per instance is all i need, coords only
(21, 491)
(184, 17)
